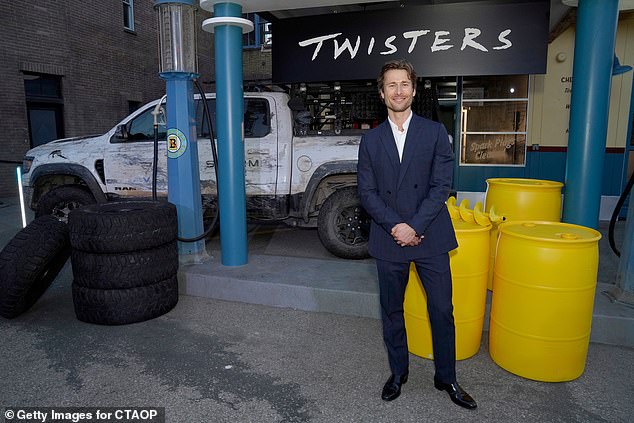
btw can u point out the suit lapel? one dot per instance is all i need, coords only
(389, 144)
(412, 142)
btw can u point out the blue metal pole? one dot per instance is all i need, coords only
(183, 188)
(589, 106)
(229, 121)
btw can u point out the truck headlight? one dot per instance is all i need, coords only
(27, 161)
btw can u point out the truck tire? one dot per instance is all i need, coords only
(60, 201)
(30, 262)
(124, 306)
(124, 270)
(343, 226)
(120, 227)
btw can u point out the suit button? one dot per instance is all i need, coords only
(415, 185)
(389, 192)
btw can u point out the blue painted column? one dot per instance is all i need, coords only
(228, 27)
(589, 106)
(183, 177)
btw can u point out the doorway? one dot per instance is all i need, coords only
(45, 108)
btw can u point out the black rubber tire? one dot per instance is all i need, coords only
(343, 226)
(125, 270)
(124, 306)
(30, 262)
(60, 201)
(120, 227)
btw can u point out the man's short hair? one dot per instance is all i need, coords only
(396, 65)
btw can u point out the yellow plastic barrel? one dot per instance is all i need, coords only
(545, 278)
(521, 199)
(524, 199)
(469, 269)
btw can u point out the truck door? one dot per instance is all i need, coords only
(128, 160)
(260, 146)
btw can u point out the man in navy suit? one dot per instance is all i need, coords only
(404, 175)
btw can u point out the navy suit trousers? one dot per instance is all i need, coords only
(435, 275)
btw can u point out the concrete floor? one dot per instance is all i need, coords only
(210, 360)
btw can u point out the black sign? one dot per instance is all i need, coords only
(439, 40)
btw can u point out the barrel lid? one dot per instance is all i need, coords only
(525, 182)
(550, 231)
(460, 225)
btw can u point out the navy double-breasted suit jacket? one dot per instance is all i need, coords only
(413, 191)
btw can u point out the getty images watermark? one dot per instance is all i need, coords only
(84, 415)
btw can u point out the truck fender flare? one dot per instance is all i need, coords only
(323, 171)
(73, 170)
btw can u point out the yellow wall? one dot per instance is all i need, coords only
(550, 93)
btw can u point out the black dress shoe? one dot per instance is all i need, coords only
(457, 394)
(392, 388)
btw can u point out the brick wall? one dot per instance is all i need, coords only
(102, 66)
(257, 65)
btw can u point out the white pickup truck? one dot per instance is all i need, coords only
(301, 179)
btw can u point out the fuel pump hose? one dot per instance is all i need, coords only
(615, 214)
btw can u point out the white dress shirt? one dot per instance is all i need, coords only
(399, 136)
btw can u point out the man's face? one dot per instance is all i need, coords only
(398, 91)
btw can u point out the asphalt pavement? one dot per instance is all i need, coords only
(219, 361)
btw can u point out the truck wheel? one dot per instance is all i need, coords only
(343, 226)
(125, 270)
(120, 227)
(60, 201)
(30, 262)
(123, 306)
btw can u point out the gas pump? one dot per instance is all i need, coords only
(178, 67)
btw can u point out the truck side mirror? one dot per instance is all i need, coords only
(296, 104)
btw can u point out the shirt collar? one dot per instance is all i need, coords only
(405, 124)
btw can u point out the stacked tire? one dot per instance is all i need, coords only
(125, 261)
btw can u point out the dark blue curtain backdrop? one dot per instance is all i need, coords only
(480, 38)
